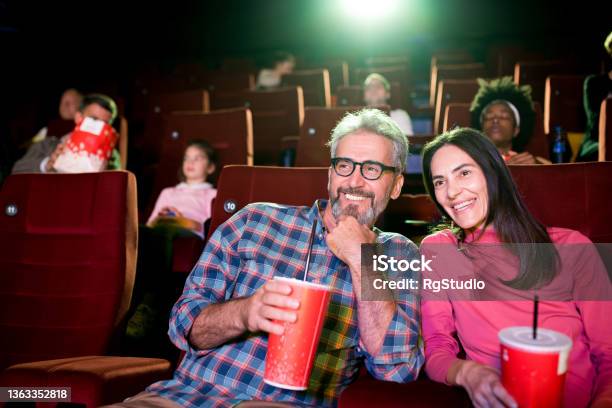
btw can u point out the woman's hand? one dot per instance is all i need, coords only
(483, 384)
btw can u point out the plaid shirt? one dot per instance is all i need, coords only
(261, 241)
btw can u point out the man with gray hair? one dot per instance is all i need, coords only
(230, 301)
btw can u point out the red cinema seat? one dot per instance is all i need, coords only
(71, 246)
(315, 83)
(68, 264)
(349, 95)
(456, 115)
(452, 71)
(338, 71)
(534, 74)
(195, 100)
(563, 104)
(574, 195)
(225, 88)
(315, 132)
(241, 185)
(452, 90)
(538, 142)
(605, 130)
(163, 104)
(277, 117)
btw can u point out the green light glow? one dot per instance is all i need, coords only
(369, 9)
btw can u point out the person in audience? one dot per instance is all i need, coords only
(596, 89)
(490, 232)
(230, 303)
(377, 93)
(188, 204)
(179, 211)
(68, 108)
(504, 112)
(41, 156)
(271, 77)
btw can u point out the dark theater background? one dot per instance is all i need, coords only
(114, 46)
(187, 69)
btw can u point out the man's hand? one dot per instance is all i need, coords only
(53, 157)
(346, 238)
(221, 322)
(522, 158)
(484, 386)
(270, 303)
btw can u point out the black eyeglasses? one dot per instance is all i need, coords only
(370, 170)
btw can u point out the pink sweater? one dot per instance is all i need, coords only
(194, 201)
(477, 323)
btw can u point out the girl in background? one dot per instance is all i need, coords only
(188, 204)
(179, 211)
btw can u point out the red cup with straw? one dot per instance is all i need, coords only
(290, 356)
(534, 364)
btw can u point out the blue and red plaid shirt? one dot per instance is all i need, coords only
(261, 241)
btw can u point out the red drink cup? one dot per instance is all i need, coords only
(291, 355)
(533, 370)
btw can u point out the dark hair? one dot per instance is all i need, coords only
(513, 222)
(104, 101)
(204, 146)
(505, 89)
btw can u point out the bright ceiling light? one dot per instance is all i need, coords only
(370, 9)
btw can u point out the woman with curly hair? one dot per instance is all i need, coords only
(504, 112)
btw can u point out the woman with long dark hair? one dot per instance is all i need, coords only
(491, 231)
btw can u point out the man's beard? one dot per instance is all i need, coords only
(352, 210)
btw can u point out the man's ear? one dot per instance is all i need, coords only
(396, 190)
(517, 130)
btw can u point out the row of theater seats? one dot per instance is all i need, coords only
(326, 83)
(68, 267)
(278, 114)
(232, 132)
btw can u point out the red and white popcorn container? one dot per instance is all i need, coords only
(88, 148)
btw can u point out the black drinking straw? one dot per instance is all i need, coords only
(535, 317)
(312, 234)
